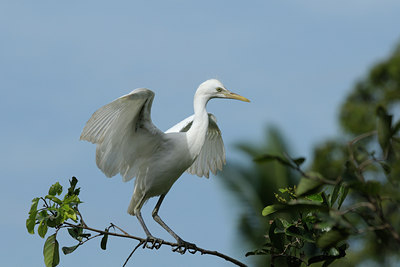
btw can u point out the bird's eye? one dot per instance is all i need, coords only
(219, 89)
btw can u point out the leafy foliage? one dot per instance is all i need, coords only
(55, 213)
(346, 202)
(62, 213)
(311, 225)
(253, 185)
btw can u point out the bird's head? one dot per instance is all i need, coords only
(215, 89)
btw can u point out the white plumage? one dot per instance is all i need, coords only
(128, 143)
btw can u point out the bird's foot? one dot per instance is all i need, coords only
(152, 242)
(184, 246)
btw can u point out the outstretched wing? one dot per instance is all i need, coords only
(212, 154)
(124, 134)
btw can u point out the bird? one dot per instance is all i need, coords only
(128, 143)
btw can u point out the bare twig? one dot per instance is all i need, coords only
(357, 206)
(143, 240)
(113, 225)
(133, 251)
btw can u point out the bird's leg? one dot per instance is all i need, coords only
(183, 246)
(155, 242)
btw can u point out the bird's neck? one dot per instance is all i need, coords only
(198, 131)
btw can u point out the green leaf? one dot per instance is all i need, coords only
(396, 127)
(331, 238)
(271, 209)
(54, 221)
(69, 213)
(30, 225)
(315, 197)
(103, 243)
(277, 239)
(299, 161)
(308, 186)
(335, 193)
(71, 189)
(384, 128)
(386, 167)
(269, 157)
(54, 199)
(34, 205)
(349, 173)
(50, 251)
(372, 188)
(343, 191)
(293, 261)
(68, 250)
(55, 189)
(42, 229)
(75, 232)
(31, 221)
(72, 199)
(296, 232)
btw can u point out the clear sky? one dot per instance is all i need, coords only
(61, 60)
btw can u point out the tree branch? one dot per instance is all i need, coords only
(144, 240)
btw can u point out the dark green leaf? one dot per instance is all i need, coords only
(349, 172)
(71, 189)
(335, 193)
(103, 243)
(318, 258)
(85, 235)
(68, 250)
(54, 221)
(263, 251)
(372, 188)
(277, 240)
(299, 161)
(268, 157)
(308, 186)
(327, 262)
(384, 126)
(42, 229)
(50, 251)
(75, 232)
(293, 261)
(386, 167)
(55, 189)
(296, 232)
(396, 127)
(331, 238)
(344, 190)
(325, 199)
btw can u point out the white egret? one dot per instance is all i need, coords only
(128, 143)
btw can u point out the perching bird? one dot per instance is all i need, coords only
(130, 144)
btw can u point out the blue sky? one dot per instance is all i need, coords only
(60, 61)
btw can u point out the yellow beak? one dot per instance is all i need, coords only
(236, 96)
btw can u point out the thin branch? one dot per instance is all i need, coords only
(113, 225)
(133, 251)
(357, 206)
(362, 136)
(143, 240)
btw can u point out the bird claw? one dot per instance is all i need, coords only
(155, 243)
(184, 246)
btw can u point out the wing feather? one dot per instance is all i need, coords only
(212, 155)
(124, 134)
